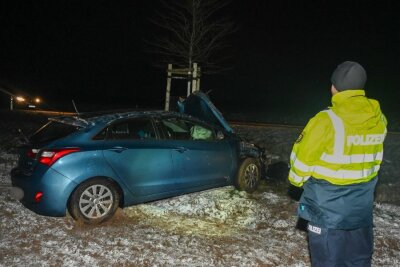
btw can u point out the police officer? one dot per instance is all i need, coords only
(336, 160)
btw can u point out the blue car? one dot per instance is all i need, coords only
(92, 164)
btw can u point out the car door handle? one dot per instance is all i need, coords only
(180, 149)
(118, 149)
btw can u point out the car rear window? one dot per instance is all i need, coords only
(52, 131)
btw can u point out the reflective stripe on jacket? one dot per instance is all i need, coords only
(342, 145)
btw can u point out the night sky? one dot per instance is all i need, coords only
(282, 54)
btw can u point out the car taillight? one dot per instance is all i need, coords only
(49, 156)
(32, 153)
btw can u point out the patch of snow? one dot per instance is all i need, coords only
(219, 227)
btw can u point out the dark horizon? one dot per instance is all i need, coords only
(283, 53)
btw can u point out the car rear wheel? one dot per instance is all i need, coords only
(94, 201)
(249, 175)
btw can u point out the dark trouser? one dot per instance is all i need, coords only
(332, 247)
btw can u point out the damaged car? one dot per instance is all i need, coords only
(89, 165)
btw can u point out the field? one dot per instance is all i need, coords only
(220, 227)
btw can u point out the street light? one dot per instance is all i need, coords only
(30, 102)
(20, 99)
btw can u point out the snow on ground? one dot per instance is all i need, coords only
(219, 227)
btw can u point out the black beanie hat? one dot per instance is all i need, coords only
(349, 75)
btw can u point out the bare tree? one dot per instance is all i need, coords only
(192, 31)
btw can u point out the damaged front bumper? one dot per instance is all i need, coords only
(248, 149)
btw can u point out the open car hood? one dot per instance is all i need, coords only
(199, 105)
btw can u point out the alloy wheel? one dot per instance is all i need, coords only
(251, 175)
(96, 201)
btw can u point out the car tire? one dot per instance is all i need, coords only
(249, 175)
(94, 201)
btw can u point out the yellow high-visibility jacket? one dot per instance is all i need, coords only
(343, 144)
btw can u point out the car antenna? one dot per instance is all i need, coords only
(76, 110)
(77, 113)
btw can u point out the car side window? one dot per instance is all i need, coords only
(179, 129)
(132, 129)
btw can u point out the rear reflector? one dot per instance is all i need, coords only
(48, 157)
(38, 197)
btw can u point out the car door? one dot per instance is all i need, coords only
(200, 158)
(139, 157)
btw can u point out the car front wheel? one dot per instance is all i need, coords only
(94, 201)
(249, 175)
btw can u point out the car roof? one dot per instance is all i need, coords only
(104, 117)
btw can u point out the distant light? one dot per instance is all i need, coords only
(20, 99)
(38, 100)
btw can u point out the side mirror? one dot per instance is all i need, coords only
(220, 135)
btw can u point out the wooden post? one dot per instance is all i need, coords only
(198, 78)
(189, 81)
(168, 92)
(194, 76)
